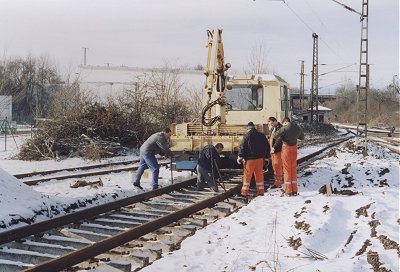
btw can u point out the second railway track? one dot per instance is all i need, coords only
(34, 178)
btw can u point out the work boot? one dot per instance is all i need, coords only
(214, 188)
(137, 185)
(244, 198)
(200, 187)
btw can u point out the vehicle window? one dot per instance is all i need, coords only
(245, 98)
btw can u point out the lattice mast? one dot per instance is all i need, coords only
(314, 82)
(302, 87)
(363, 81)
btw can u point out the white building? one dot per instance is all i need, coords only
(5, 108)
(323, 114)
(110, 81)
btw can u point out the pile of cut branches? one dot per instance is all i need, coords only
(95, 132)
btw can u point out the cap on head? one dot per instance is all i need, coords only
(250, 125)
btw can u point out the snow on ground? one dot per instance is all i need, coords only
(272, 233)
(275, 233)
(55, 197)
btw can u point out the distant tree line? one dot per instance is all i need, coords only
(30, 82)
(72, 123)
(383, 106)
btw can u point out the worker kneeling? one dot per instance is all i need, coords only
(253, 150)
(207, 166)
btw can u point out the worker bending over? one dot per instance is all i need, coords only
(158, 143)
(207, 166)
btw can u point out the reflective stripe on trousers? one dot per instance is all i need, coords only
(278, 168)
(290, 187)
(256, 167)
(289, 157)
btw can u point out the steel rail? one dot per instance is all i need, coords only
(80, 175)
(37, 228)
(93, 250)
(88, 167)
(309, 156)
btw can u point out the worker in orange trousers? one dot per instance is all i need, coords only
(254, 149)
(289, 133)
(276, 148)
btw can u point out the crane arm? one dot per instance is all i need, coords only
(214, 100)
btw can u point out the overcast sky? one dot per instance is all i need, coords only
(148, 33)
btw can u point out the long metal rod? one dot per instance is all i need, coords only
(91, 251)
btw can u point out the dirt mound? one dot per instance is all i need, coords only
(319, 129)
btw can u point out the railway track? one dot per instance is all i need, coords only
(124, 235)
(93, 232)
(34, 178)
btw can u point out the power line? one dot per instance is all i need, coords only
(309, 27)
(333, 84)
(348, 8)
(301, 20)
(338, 69)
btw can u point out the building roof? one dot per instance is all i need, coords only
(321, 108)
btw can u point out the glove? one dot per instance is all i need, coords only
(240, 160)
(272, 150)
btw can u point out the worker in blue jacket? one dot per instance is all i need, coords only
(207, 168)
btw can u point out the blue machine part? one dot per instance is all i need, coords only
(184, 165)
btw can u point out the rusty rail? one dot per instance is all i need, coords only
(90, 251)
(40, 227)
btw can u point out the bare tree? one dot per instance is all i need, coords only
(383, 106)
(29, 81)
(257, 61)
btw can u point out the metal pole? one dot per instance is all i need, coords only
(314, 82)
(302, 87)
(172, 175)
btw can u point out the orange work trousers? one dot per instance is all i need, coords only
(278, 168)
(289, 157)
(253, 167)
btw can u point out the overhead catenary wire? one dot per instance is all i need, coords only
(310, 28)
(337, 70)
(323, 24)
(333, 84)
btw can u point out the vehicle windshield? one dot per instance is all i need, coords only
(245, 98)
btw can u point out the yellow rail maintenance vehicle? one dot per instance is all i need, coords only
(229, 103)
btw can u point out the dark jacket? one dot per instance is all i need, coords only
(276, 143)
(289, 134)
(207, 156)
(254, 146)
(156, 144)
